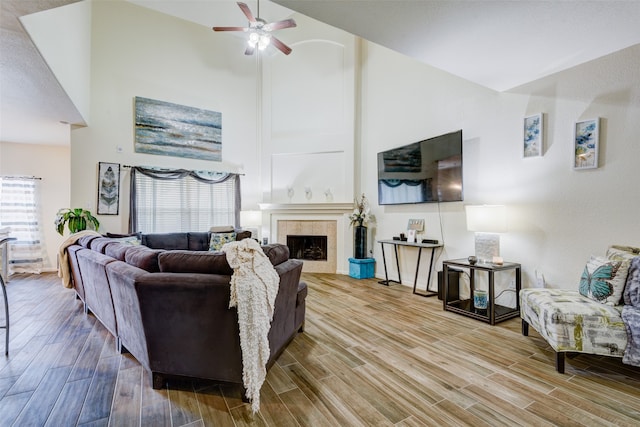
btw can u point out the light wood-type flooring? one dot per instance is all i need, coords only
(371, 355)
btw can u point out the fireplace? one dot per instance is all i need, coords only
(312, 241)
(304, 247)
(314, 219)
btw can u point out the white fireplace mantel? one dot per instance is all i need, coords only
(307, 207)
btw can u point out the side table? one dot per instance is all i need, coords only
(494, 313)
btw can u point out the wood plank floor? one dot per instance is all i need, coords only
(371, 355)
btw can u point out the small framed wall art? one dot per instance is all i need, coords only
(533, 140)
(585, 144)
(108, 188)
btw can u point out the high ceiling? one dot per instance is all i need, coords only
(497, 44)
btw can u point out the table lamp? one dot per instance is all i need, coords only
(487, 221)
(252, 221)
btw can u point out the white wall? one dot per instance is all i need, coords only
(139, 52)
(51, 163)
(558, 217)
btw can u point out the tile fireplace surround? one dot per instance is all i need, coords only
(317, 219)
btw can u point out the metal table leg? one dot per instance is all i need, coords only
(6, 317)
(3, 247)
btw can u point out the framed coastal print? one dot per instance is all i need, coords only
(585, 144)
(169, 129)
(108, 188)
(533, 140)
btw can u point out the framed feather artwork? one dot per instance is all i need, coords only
(108, 188)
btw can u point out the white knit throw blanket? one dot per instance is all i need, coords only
(254, 286)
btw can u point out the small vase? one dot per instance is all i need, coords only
(360, 242)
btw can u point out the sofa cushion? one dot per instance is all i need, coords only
(144, 258)
(198, 241)
(603, 280)
(179, 261)
(99, 244)
(117, 249)
(276, 252)
(85, 241)
(243, 234)
(218, 240)
(167, 241)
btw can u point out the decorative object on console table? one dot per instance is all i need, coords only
(487, 221)
(359, 219)
(363, 268)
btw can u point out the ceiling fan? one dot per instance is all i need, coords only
(260, 31)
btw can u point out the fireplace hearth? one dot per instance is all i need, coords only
(306, 247)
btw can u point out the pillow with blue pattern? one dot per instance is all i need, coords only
(219, 239)
(603, 280)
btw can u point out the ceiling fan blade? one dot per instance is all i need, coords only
(287, 23)
(247, 12)
(249, 50)
(229, 29)
(281, 46)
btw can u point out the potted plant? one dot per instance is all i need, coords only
(76, 219)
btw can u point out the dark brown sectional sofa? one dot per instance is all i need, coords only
(167, 303)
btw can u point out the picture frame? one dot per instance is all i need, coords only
(586, 141)
(533, 136)
(108, 188)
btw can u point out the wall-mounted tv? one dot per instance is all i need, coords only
(422, 172)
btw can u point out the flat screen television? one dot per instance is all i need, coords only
(422, 172)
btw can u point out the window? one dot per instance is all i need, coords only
(179, 200)
(20, 215)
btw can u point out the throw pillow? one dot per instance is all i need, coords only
(130, 240)
(603, 280)
(626, 254)
(219, 239)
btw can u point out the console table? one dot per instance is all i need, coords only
(420, 246)
(494, 313)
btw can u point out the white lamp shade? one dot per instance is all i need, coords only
(250, 218)
(487, 218)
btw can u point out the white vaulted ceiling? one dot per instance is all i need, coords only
(497, 44)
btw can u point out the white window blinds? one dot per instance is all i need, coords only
(184, 202)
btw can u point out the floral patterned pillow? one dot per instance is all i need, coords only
(219, 239)
(603, 280)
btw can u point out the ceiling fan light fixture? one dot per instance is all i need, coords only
(253, 40)
(260, 31)
(264, 41)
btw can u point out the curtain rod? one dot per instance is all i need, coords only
(151, 167)
(19, 177)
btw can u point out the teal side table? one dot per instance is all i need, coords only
(362, 268)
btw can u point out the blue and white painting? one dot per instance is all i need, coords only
(533, 136)
(176, 130)
(586, 144)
